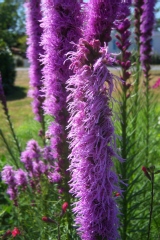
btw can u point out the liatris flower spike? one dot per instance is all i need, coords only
(100, 19)
(34, 32)
(92, 143)
(147, 22)
(61, 28)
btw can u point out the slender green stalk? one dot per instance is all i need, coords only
(136, 89)
(8, 148)
(147, 119)
(43, 127)
(13, 133)
(59, 236)
(151, 206)
(124, 156)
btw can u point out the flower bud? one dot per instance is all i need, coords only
(47, 219)
(64, 207)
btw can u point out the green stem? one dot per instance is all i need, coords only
(151, 207)
(136, 89)
(147, 119)
(13, 133)
(8, 148)
(43, 128)
(59, 236)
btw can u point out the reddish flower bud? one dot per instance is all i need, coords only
(64, 206)
(8, 233)
(15, 232)
(117, 194)
(47, 219)
(144, 169)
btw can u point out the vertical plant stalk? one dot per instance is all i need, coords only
(8, 148)
(122, 26)
(59, 236)
(13, 134)
(151, 205)
(146, 28)
(137, 23)
(34, 51)
(6, 112)
(61, 28)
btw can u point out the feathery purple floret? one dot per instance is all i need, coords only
(8, 177)
(92, 143)
(147, 22)
(101, 16)
(21, 178)
(61, 28)
(31, 158)
(34, 32)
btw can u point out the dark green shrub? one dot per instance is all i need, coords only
(19, 61)
(7, 69)
(155, 59)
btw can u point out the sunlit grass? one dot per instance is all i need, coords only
(20, 110)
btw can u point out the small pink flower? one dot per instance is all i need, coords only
(15, 232)
(157, 83)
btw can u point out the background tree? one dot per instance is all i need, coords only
(12, 24)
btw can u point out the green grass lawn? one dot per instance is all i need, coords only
(20, 110)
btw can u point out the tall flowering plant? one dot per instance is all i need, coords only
(34, 51)
(61, 24)
(61, 28)
(94, 181)
(146, 28)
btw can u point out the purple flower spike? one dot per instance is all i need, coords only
(12, 192)
(61, 31)
(92, 143)
(102, 15)
(122, 26)
(34, 32)
(31, 156)
(147, 22)
(8, 175)
(21, 178)
(54, 177)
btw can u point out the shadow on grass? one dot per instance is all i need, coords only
(16, 93)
